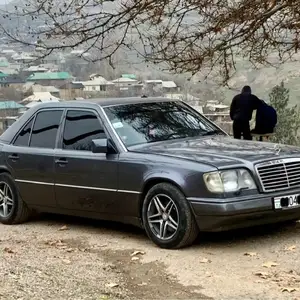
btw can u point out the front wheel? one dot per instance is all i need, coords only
(167, 217)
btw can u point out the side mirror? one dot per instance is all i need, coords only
(100, 146)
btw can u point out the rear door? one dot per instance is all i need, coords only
(31, 157)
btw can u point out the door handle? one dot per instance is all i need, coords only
(61, 161)
(13, 156)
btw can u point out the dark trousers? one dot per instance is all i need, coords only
(241, 128)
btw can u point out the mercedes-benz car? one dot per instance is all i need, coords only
(151, 162)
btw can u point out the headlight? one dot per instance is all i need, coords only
(229, 181)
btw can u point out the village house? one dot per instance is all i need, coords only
(161, 85)
(50, 78)
(25, 58)
(9, 112)
(8, 53)
(125, 81)
(30, 88)
(219, 114)
(13, 81)
(192, 100)
(97, 83)
(128, 86)
(38, 97)
(10, 108)
(33, 69)
(72, 91)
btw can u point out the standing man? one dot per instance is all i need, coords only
(241, 110)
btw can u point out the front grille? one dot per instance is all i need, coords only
(279, 174)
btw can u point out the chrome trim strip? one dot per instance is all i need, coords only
(85, 187)
(129, 192)
(77, 186)
(113, 130)
(34, 182)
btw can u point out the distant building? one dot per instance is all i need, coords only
(97, 83)
(9, 113)
(31, 87)
(33, 69)
(51, 78)
(38, 97)
(14, 81)
(165, 87)
(130, 76)
(25, 58)
(72, 91)
(10, 108)
(124, 81)
(219, 114)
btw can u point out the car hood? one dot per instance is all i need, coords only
(219, 150)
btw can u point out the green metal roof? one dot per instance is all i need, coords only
(131, 76)
(49, 76)
(3, 74)
(10, 105)
(4, 64)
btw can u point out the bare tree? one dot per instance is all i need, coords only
(183, 36)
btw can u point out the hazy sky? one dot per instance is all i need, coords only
(4, 1)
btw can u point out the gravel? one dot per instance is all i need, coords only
(58, 257)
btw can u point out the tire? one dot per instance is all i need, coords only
(17, 210)
(155, 221)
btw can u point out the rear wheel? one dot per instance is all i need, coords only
(167, 217)
(13, 209)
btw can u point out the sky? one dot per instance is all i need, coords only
(4, 2)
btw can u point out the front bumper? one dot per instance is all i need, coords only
(246, 211)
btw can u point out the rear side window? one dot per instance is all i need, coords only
(81, 127)
(23, 137)
(45, 129)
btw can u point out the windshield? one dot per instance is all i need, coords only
(157, 121)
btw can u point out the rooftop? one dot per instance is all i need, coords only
(3, 74)
(72, 85)
(10, 79)
(35, 68)
(124, 80)
(49, 76)
(10, 105)
(4, 64)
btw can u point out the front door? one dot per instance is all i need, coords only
(84, 180)
(31, 158)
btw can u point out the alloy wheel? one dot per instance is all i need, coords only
(163, 216)
(6, 200)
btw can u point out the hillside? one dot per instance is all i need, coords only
(261, 80)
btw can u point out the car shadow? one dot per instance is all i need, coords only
(90, 224)
(257, 234)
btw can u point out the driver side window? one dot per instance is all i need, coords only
(81, 127)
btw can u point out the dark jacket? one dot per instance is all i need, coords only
(242, 107)
(266, 119)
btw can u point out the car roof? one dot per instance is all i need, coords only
(8, 135)
(104, 102)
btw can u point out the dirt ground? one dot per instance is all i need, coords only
(58, 257)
